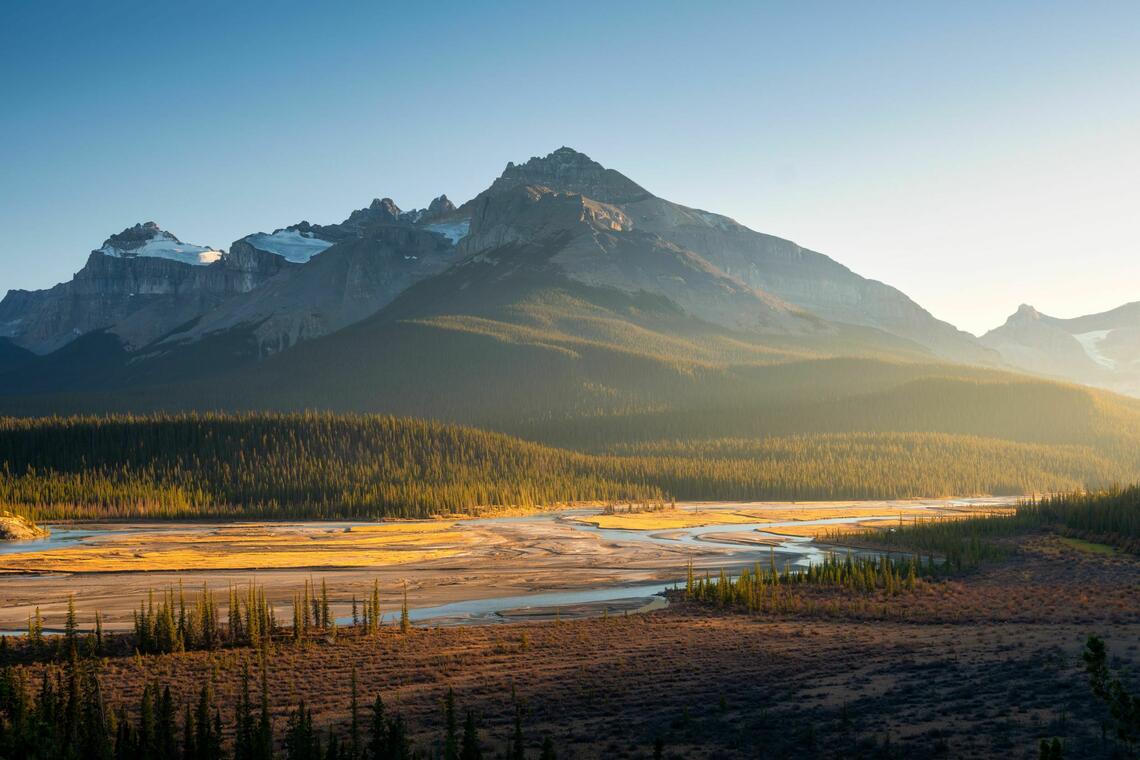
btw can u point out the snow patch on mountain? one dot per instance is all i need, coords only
(291, 245)
(165, 246)
(1090, 342)
(453, 231)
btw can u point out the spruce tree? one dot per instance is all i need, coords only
(71, 623)
(517, 748)
(354, 725)
(470, 749)
(147, 738)
(405, 617)
(378, 732)
(165, 729)
(243, 720)
(451, 727)
(263, 745)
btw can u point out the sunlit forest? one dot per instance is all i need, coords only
(319, 465)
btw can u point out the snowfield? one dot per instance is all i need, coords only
(453, 231)
(166, 246)
(1090, 342)
(290, 245)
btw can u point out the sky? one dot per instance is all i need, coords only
(975, 155)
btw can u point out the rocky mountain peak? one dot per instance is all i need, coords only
(1026, 313)
(380, 211)
(569, 171)
(386, 205)
(440, 206)
(133, 237)
(148, 240)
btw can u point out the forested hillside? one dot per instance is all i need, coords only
(365, 466)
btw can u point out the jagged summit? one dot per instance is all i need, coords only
(569, 171)
(561, 220)
(148, 240)
(1025, 313)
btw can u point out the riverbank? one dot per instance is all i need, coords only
(14, 527)
(979, 666)
(538, 566)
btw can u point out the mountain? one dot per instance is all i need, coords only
(1098, 349)
(344, 273)
(141, 283)
(152, 291)
(558, 254)
(767, 264)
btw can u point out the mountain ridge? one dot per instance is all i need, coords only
(580, 221)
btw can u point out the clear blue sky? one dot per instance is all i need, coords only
(976, 155)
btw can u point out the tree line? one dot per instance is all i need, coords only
(65, 716)
(327, 466)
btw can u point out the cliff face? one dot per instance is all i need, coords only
(346, 283)
(111, 290)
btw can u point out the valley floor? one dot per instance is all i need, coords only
(453, 568)
(982, 666)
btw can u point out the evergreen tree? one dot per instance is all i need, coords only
(263, 744)
(399, 746)
(243, 719)
(148, 724)
(378, 739)
(301, 742)
(71, 623)
(165, 729)
(451, 727)
(354, 748)
(470, 749)
(517, 747)
(405, 617)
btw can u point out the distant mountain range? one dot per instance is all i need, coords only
(1098, 349)
(564, 288)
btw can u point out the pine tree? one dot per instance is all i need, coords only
(263, 744)
(98, 633)
(36, 629)
(243, 719)
(301, 742)
(399, 746)
(548, 752)
(71, 623)
(354, 721)
(405, 618)
(148, 724)
(378, 739)
(517, 746)
(470, 749)
(374, 619)
(189, 748)
(451, 727)
(165, 729)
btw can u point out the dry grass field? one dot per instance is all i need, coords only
(674, 519)
(983, 665)
(251, 547)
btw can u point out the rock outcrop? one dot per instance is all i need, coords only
(16, 528)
